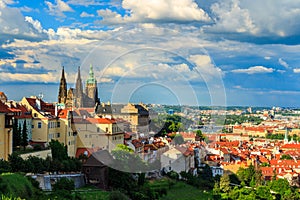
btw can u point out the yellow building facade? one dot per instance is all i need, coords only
(98, 133)
(5, 137)
(49, 122)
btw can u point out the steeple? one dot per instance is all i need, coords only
(286, 138)
(79, 90)
(91, 89)
(91, 79)
(62, 94)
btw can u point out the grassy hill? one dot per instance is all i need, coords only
(181, 191)
(16, 185)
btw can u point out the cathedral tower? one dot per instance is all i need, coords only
(62, 94)
(91, 89)
(79, 91)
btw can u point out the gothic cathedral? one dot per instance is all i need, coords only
(76, 97)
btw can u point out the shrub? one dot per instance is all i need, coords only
(117, 195)
(64, 184)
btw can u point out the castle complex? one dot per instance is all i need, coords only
(77, 97)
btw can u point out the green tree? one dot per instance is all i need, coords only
(16, 162)
(58, 150)
(127, 160)
(245, 174)
(37, 164)
(263, 192)
(24, 138)
(117, 195)
(16, 134)
(265, 164)
(286, 157)
(63, 187)
(279, 186)
(64, 184)
(225, 183)
(4, 166)
(199, 136)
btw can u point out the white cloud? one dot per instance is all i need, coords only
(254, 70)
(230, 17)
(85, 14)
(85, 2)
(110, 17)
(59, 8)
(15, 26)
(3, 3)
(283, 63)
(296, 70)
(35, 23)
(156, 11)
(205, 67)
(257, 18)
(45, 78)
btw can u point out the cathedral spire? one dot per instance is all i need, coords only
(91, 89)
(91, 79)
(79, 90)
(62, 94)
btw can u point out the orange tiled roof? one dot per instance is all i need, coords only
(100, 120)
(3, 108)
(290, 146)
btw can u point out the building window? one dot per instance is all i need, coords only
(35, 115)
(98, 129)
(39, 124)
(58, 124)
(32, 126)
(57, 135)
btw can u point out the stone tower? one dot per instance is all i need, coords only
(62, 94)
(91, 89)
(79, 91)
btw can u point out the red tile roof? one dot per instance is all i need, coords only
(291, 146)
(100, 120)
(4, 108)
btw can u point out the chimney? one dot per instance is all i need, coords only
(56, 110)
(38, 103)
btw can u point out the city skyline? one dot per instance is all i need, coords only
(169, 52)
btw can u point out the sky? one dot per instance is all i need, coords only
(195, 52)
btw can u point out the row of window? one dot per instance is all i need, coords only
(50, 125)
(54, 135)
(53, 124)
(116, 137)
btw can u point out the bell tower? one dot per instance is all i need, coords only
(91, 89)
(62, 94)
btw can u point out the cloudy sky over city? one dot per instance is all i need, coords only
(217, 52)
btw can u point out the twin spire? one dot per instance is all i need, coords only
(76, 96)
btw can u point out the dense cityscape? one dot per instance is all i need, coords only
(149, 99)
(79, 142)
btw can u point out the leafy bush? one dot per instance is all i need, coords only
(64, 184)
(173, 175)
(117, 195)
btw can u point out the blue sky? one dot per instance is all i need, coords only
(218, 52)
